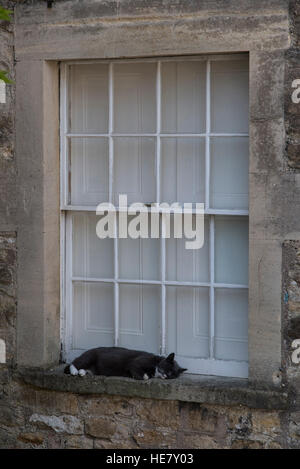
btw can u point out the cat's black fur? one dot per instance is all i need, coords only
(118, 361)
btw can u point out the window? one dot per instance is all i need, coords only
(167, 130)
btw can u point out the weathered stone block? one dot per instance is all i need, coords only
(79, 442)
(61, 424)
(100, 427)
(102, 405)
(164, 414)
(32, 438)
(155, 438)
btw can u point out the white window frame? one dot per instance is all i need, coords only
(208, 366)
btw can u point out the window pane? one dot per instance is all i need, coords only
(140, 317)
(89, 98)
(183, 97)
(92, 257)
(139, 258)
(89, 171)
(187, 265)
(231, 250)
(231, 324)
(182, 170)
(135, 98)
(188, 321)
(134, 169)
(93, 315)
(229, 96)
(229, 173)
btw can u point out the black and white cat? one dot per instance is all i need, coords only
(118, 361)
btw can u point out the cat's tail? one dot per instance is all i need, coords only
(67, 370)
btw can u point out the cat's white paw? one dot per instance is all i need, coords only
(82, 372)
(73, 370)
(145, 377)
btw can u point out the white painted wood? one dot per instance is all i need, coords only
(90, 163)
(134, 97)
(120, 297)
(183, 170)
(187, 265)
(211, 289)
(183, 97)
(162, 135)
(207, 137)
(231, 250)
(187, 310)
(134, 169)
(163, 287)
(229, 173)
(231, 324)
(139, 317)
(230, 96)
(158, 131)
(110, 130)
(89, 99)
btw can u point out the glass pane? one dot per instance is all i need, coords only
(93, 316)
(92, 257)
(89, 98)
(182, 170)
(231, 324)
(183, 97)
(134, 169)
(139, 258)
(135, 97)
(187, 265)
(229, 96)
(229, 173)
(188, 321)
(231, 250)
(89, 171)
(140, 317)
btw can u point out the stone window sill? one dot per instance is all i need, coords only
(188, 388)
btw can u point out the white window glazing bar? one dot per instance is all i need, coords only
(158, 181)
(69, 285)
(110, 130)
(64, 192)
(111, 183)
(207, 138)
(162, 135)
(171, 283)
(158, 129)
(211, 288)
(116, 287)
(163, 285)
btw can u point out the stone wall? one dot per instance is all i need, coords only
(32, 416)
(37, 418)
(8, 256)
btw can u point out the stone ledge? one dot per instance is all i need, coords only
(187, 388)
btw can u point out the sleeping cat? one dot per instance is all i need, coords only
(118, 361)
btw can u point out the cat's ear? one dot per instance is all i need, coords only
(181, 370)
(170, 358)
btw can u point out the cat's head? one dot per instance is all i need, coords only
(168, 368)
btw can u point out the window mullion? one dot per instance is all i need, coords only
(110, 190)
(207, 138)
(110, 131)
(163, 285)
(158, 180)
(212, 281)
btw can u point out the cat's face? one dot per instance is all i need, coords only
(168, 368)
